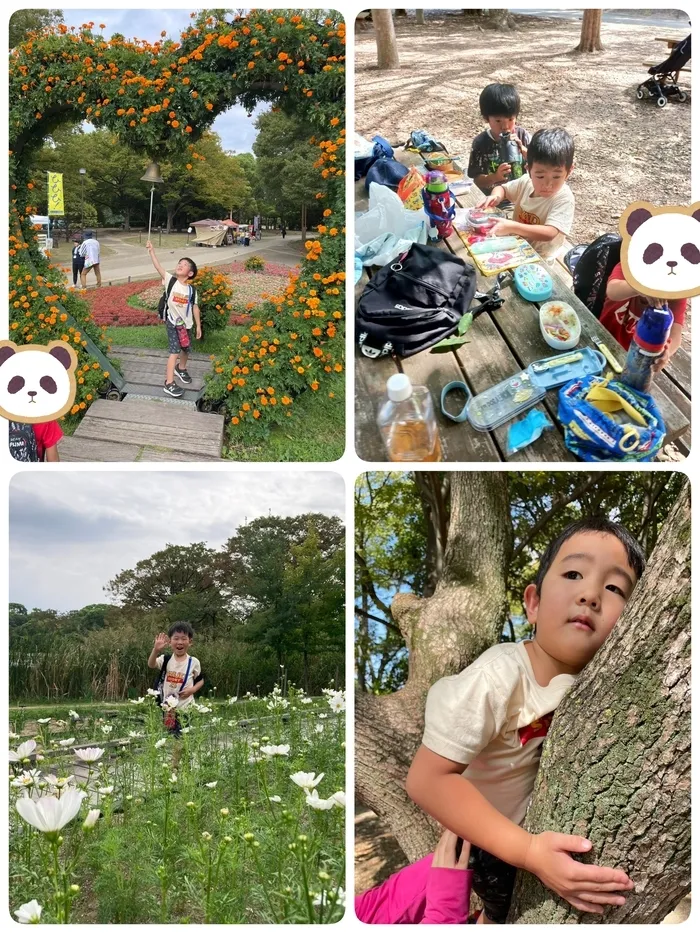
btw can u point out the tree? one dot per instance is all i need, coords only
(590, 32)
(387, 48)
(443, 633)
(24, 22)
(17, 614)
(616, 764)
(420, 17)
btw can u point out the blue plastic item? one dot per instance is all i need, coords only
(648, 342)
(358, 268)
(554, 371)
(456, 386)
(526, 431)
(533, 282)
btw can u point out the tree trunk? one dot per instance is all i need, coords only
(444, 634)
(499, 19)
(420, 17)
(616, 764)
(387, 49)
(172, 211)
(590, 32)
(127, 219)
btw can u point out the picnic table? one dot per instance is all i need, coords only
(502, 343)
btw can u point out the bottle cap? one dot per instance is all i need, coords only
(399, 387)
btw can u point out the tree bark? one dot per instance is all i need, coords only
(590, 32)
(616, 764)
(499, 19)
(444, 634)
(387, 49)
(420, 17)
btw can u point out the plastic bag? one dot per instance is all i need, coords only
(387, 229)
(526, 431)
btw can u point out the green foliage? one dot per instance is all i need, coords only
(392, 528)
(214, 294)
(24, 22)
(254, 264)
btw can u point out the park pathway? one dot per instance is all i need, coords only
(147, 425)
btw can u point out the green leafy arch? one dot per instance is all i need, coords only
(160, 97)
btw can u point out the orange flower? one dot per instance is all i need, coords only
(176, 123)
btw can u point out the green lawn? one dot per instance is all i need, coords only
(316, 431)
(164, 240)
(157, 338)
(63, 251)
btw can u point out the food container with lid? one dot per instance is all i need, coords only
(533, 282)
(560, 325)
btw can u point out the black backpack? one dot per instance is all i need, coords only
(593, 268)
(163, 303)
(414, 302)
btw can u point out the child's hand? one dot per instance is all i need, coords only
(502, 228)
(149, 246)
(662, 360)
(186, 692)
(199, 331)
(446, 852)
(161, 641)
(490, 201)
(585, 887)
(502, 173)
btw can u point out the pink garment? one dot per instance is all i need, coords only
(418, 893)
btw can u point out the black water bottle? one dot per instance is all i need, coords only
(510, 153)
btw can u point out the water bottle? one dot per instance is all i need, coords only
(439, 203)
(407, 422)
(510, 153)
(648, 342)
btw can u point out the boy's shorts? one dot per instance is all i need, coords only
(173, 339)
(174, 721)
(493, 881)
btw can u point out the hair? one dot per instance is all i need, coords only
(551, 147)
(597, 525)
(193, 266)
(499, 100)
(183, 627)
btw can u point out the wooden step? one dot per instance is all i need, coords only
(133, 391)
(153, 424)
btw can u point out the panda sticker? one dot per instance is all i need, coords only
(660, 251)
(37, 383)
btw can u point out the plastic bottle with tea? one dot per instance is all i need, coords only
(407, 422)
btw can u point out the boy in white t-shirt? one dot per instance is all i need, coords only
(182, 311)
(487, 724)
(181, 674)
(543, 204)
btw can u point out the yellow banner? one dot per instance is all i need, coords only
(55, 194)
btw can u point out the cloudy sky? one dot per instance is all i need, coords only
(70, 533)
(234, 127)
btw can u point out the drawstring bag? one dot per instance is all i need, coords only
(607, 421)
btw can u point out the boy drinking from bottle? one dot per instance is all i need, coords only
(484, 728)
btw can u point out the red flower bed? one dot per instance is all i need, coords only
(110, 309)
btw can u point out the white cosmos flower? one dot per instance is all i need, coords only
(307, 780)
(29, 912)
(73, 715)
(338, 798)
(272, 750)
(185, 730)
(89, 754)
(232, 700)
(90, 820)
(211, 784)
(137, 701)
(328, 898)
(215, 719)
(152, 693)
(275, 799)
(323, 715)
(336, 701)
(319, 728)
(24, 751)
(64, 743)
(13, 735)
(107, 729)
(306, 700)
(43, 722)
(28, 779)
(50, 814)
(160, 743)
(170, 702)
(105, 791)
(313, 800)
(173, 778)
(136, 735)
(58, 782)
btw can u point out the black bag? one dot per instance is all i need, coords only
(163, 303)
(414, 302)
(593, 269)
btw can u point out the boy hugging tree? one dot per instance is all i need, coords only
(180, 674)
(484, 728)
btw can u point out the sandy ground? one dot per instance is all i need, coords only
(625, 149)
(377, 856)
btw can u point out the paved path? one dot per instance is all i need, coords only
(132, 263)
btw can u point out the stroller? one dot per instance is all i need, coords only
(663, 83)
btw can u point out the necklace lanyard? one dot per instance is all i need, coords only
(187, 674)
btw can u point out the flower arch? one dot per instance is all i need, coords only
(160, 97)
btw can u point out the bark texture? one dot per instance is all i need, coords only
(443, 634)
(387, 48)
(616, 764)
(590, 32)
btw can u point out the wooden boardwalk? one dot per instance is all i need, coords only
(147, 425)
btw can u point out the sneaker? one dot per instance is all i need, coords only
(183, 376)
(172, 390)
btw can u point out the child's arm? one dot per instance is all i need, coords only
(197, 321)
(51, 453)
(154, 259)
(437, 786)
(158, 645)
(497, 195)
(498, 177)
(449, 883)
(195, 688)
(538, 233)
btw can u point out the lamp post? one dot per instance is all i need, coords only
(82, 172)
(152, 174)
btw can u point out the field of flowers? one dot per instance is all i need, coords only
(240, 820)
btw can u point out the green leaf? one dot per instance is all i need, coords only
(465, 323)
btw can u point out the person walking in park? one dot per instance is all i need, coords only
(78, 261)
(284, 230)
(180, 312)
(90, 251)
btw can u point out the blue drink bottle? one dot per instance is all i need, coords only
(647, 345)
